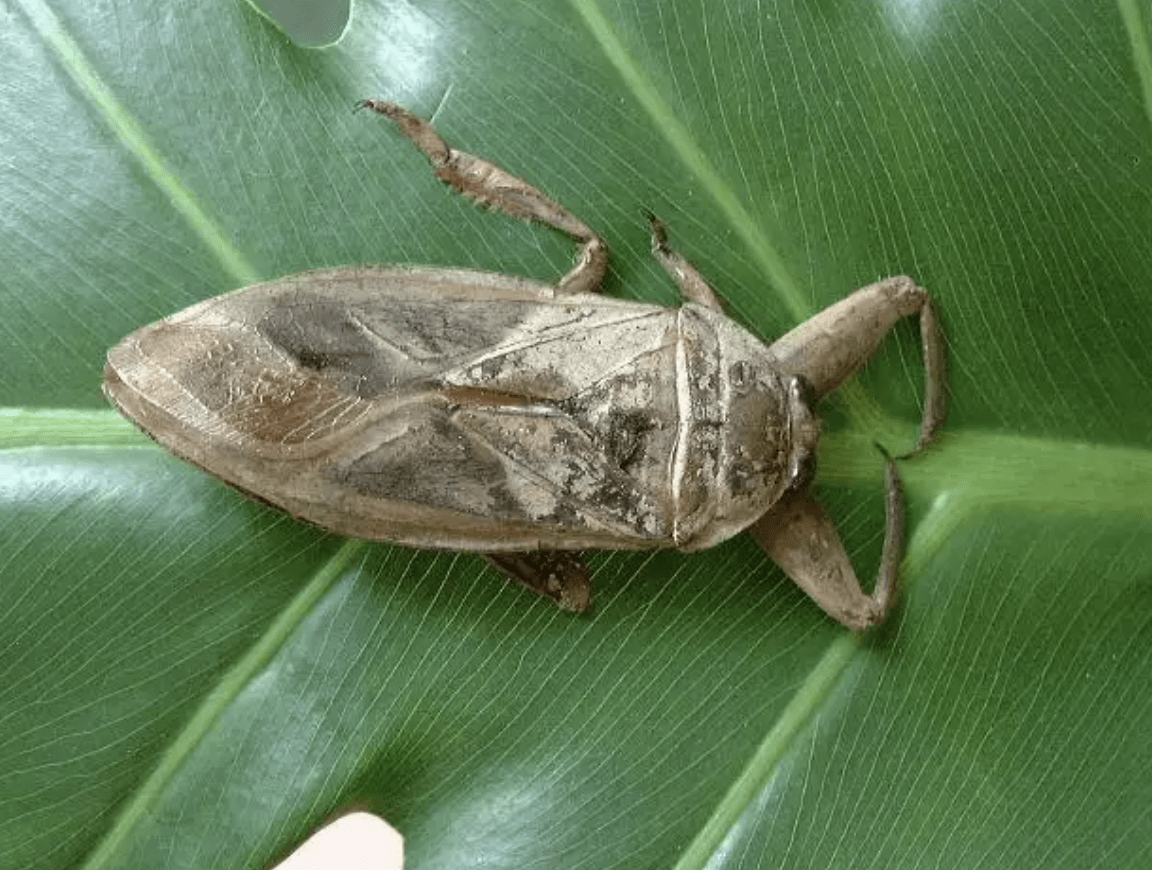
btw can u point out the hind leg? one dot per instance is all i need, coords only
(486, 182)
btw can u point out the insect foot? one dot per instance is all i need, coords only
(526, 421)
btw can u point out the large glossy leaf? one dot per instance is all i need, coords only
(188, 679)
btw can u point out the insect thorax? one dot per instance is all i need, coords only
(736, 457)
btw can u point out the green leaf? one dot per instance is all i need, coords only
(188, 679)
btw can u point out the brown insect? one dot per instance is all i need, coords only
(463, 410)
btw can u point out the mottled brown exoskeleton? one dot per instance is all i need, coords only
(454, 409)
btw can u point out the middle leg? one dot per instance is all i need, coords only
(691, 283)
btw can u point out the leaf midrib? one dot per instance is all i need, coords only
(975, 467)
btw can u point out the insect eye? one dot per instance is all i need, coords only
(803, 470)
(805, 432)
(803, 390)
